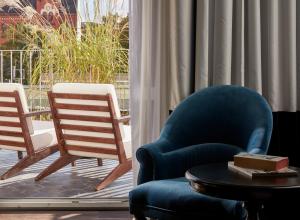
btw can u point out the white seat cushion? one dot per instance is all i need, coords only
(127, 141)
(43, 138)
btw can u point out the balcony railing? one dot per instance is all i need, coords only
(17, 66)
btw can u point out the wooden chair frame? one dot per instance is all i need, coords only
(33, 155)
(125, 164)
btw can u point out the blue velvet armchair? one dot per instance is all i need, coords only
(209, 126)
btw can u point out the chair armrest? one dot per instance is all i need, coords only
(148, 155)
(124, 119)
(156, 164)
(30, 114)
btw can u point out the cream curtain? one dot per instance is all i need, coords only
(253, 43)
(177, 47)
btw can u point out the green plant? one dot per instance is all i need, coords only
(95, 56)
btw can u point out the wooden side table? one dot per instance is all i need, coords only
(216, 180)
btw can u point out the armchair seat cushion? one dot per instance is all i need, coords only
(181, 200)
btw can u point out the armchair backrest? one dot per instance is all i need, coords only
(15, 129)
(221, 114)
(85, 119)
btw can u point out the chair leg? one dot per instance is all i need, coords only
(56, 165)
(22, 164)
(100, 162)
(29, 160)
(73, 164)
(120, 170)
(20, 155)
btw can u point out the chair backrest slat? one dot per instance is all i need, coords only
(79, 96)
(84, 121)
(87, 128)
(81, 107)
(11, 133)
(10, 124)
(7, 94)
(8, 104)
(84, 118)
(89, 139)
(92, 149)
(9, 114)
(12, 143)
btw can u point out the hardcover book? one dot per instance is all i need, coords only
(251, 173)
(261, 162)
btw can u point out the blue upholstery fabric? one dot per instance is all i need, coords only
(211, 125)
(178, 200)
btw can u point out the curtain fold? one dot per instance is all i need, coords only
(181, 37)
(254, 44)
(253, 76)
(178, 47)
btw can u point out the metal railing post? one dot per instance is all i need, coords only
(30, 79)
(2, 67)
(11, 66)
(40, 83)
(21, 67)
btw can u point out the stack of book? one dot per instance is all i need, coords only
(257, 165)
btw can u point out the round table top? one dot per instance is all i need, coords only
(217, 180)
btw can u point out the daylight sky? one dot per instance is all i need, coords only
(87, 8)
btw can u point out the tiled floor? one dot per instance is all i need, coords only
(71, 182)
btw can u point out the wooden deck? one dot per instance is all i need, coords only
(69, 182)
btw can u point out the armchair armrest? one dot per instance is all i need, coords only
(156, 164)
(147, 156)
(124, 119)
(30, 114)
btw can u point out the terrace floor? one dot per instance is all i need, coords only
(69, 182)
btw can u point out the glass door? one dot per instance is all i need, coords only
(44, 43)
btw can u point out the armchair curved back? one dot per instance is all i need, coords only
(222, 114)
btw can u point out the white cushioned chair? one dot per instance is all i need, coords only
(88, 123)
(16, 129)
